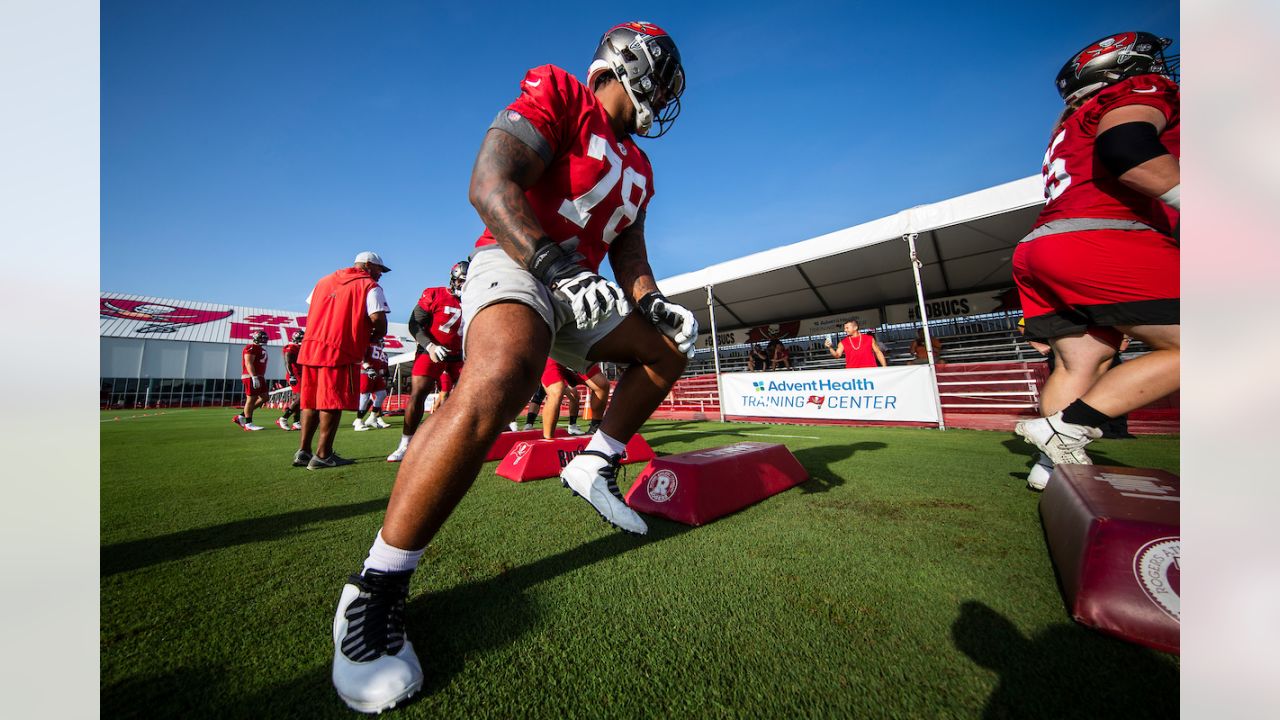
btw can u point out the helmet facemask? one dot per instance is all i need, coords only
(649, 68)
(458, 277)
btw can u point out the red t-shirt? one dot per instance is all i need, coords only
(862, 355)
(1076, 183)
(595, 185)
(338, 325)
(446, 318)
(257, 356)
(291, 359)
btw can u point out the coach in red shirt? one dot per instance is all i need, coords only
(858, 350)
(348, 310)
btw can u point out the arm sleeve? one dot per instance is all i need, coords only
(418, 322)
(376, 301)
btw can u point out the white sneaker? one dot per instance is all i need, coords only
(280, 423)
(358, 426)
(297, 426)
(1062, 442)
(575, 430)
(1040, 472)
(398, 455)
(374, 666)
(250, 426)
(380, 423)
(512, 427)
(527, 426)
(593, 476)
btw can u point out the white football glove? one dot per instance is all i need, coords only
(590, 297)
(675, 321)
(437, 352)
(256, 382)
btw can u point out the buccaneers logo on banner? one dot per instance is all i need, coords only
(774, 332)
(162, 318)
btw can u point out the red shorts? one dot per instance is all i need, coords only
(553, 372)
(330, 388)
(1094, 280)
(262, 390)
(446, 373)
(372, 384)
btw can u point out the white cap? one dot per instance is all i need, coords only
(372, 258)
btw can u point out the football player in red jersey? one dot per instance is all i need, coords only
(560, 184)
(1101, 261)
(293, 372)
(436, 324)
(253, 373)
(373, 388)
(557, 380)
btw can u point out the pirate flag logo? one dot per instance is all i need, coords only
(163, 318)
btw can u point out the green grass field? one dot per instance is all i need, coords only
(907, 579)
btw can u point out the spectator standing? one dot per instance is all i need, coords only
(348, 311)
(858, 350)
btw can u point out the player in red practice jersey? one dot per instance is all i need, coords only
(858, 350)
(373, 388)
(294, 373)
(557, 380)
(560, 184)
(1101, 261)
(436, 325)
(253, 373)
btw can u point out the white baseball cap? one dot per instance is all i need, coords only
(372, 258)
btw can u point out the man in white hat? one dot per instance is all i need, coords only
(348, 311)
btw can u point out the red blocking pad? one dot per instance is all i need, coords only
(697, 487)
(537, 459)
(1114, 538)
(507, 440)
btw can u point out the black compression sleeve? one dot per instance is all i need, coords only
(1126, 146)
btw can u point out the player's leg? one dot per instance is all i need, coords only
(363, 408)
(419, 389)
(1144, 379)
(1080, 360)
(574, 406)
(379, 398)
(598, 389)
(308, 416)
(654, 366)
(551, 408)
(437, 473)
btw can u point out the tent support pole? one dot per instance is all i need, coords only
(715, 351)
(924, 323)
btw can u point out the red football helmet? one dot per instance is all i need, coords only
(1112, 59)
(647, 62)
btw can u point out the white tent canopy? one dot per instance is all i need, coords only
(964, 244)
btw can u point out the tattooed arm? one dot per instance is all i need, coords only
(630, 261)
(504, 169)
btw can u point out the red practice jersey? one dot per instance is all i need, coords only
(258, 357)
(376, 359)
(291, 359)
(1076, 185)
(595, 185)
(446, 317)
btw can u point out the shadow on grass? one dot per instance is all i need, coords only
(1066, 671)
(818, 461)
(447, 629)
(138, 554)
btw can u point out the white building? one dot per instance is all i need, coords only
(160, 352)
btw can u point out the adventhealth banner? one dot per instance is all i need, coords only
(887, 394)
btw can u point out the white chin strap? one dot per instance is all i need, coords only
(644, 115)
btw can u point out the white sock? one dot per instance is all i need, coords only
(404, 440)
(605, 444)
(384, 558)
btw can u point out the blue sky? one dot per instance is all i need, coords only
(250, 147)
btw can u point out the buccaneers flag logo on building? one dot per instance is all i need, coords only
(163, 318)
